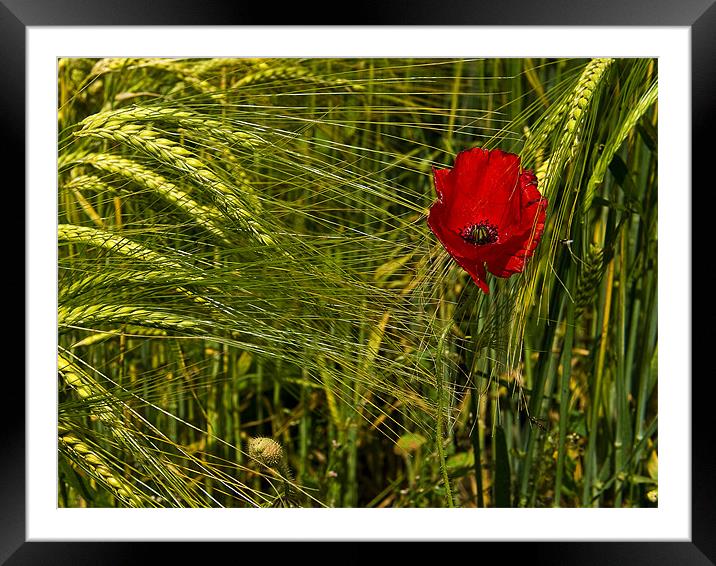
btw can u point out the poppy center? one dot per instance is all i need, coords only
(479, 234)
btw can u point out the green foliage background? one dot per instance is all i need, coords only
(243, 253)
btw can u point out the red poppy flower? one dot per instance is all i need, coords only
(488, 213)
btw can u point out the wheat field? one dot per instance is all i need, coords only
(254, 312)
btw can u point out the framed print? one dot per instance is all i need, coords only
(416, 277)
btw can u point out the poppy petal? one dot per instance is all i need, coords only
(438, 220)
(476, 269)
(443, 184)
(483, 183)
(510, 258)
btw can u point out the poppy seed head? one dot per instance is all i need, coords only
(479, 234)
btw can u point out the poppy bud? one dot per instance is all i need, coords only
(266, 450)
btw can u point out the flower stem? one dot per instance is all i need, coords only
(439, 424)
(564, 385)
(475, 436)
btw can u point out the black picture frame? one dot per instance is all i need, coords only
(698, 15)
